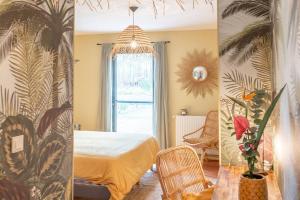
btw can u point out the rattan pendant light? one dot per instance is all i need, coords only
(133, 40)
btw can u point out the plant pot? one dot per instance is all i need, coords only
(253, 189)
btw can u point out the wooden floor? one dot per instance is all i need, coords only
(228, 184)
(149, 187)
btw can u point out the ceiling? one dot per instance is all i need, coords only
(116, 18)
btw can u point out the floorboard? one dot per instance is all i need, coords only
(149, 187)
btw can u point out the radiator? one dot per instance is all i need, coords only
(187, 124)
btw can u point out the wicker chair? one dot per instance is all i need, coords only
(205, 138)
(180, 172)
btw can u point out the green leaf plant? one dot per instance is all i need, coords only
(257, 107)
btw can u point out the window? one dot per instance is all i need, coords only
(133, 93)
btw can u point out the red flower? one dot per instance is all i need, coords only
(241, 124)
(241, 147)
(252, 146)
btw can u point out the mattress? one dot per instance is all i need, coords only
(116, 160)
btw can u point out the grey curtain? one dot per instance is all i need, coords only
(104, 120)
(161, 94)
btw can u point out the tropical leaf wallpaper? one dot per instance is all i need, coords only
(36, 76)
(245, 48)
(287, 54)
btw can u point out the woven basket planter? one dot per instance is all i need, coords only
(253, 189)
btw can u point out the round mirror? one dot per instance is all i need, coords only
(199, 73)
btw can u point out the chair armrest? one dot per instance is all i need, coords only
(192, 133)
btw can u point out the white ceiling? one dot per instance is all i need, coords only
(117, 18)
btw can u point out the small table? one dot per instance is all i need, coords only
(227, 187)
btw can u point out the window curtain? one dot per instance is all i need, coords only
(104, 121)
(161, 94)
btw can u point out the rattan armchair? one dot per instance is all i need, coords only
(206, 138)
(180, 172)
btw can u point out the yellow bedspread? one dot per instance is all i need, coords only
(116, 160)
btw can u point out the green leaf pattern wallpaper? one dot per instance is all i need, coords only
(245, 48)
(36, 80)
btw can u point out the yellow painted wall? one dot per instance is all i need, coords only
(86, 77)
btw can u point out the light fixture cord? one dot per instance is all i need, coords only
(133, 24)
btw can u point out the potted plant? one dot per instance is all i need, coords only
(248, 132)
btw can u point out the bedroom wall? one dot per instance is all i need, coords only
(36, 100)
(285, 21)
(245, 40)
(86, 91)
(287, 49)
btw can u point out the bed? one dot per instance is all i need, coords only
(116, 160)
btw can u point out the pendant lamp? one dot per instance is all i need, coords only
(133, 40)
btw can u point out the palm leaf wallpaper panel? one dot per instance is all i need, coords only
(36, 74)
(245, 48)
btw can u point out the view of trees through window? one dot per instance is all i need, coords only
(133, 93)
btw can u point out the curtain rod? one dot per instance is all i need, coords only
(99, 44)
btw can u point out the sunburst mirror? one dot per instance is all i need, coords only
(198, 73)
